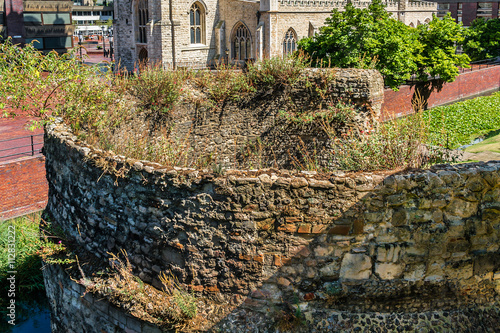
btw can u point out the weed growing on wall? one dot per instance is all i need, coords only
(157, 89)
(131, 115)
(171, 308)
(224, 84)
(276, 72)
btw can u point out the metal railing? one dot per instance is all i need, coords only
(480, 64)
(29, 145)
(474, 66)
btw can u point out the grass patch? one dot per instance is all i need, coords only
(460, 123)
(31, 246)
(490, 144)
(27, 262)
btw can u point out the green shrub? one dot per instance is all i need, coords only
(158, 89)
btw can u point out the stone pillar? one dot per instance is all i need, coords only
(268, 5)
(259, 41)
(124, 34)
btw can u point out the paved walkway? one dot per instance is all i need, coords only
(483, 156)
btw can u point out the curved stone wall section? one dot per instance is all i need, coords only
(366, 242)
(74, 311)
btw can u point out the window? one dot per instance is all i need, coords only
(57, 42)
(484, 9)
(443, 9)
(142, 19)
(56, 18)
(197, 23)
(242, 43)
(290, 42)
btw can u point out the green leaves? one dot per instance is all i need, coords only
(371, 38)
(438, 53)
(45, 85)
(482, 39)
(460, 123)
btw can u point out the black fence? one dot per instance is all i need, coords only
(474, 66)
(30, 145)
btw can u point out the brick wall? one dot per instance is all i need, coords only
(23, 187)
(467, 84)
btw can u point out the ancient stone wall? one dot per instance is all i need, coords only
(227, 129)
(426, 240)
(74, 311)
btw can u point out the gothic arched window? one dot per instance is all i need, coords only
(241, 43)
(289, 42)
(197, 23)
(142, 19)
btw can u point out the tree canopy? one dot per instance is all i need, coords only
(482, 40)
(371, 38)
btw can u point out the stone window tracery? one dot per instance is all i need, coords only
(289, 42)
(142, 20)
(197, 23)
(241, 43)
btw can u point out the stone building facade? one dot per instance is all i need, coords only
(199, 32)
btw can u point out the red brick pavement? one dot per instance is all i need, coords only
(23, 187)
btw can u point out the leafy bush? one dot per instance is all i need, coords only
(370, 38)
(460, 123)
(482, 39)
(51, 85)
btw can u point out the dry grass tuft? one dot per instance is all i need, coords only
(172, 308)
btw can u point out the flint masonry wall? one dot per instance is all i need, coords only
(227, 129)
(421, 241)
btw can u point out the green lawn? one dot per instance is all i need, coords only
(490, 144)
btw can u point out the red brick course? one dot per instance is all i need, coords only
(23, 187)
(467, 84)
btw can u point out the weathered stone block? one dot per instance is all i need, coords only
(355, 267)
(389, 271)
